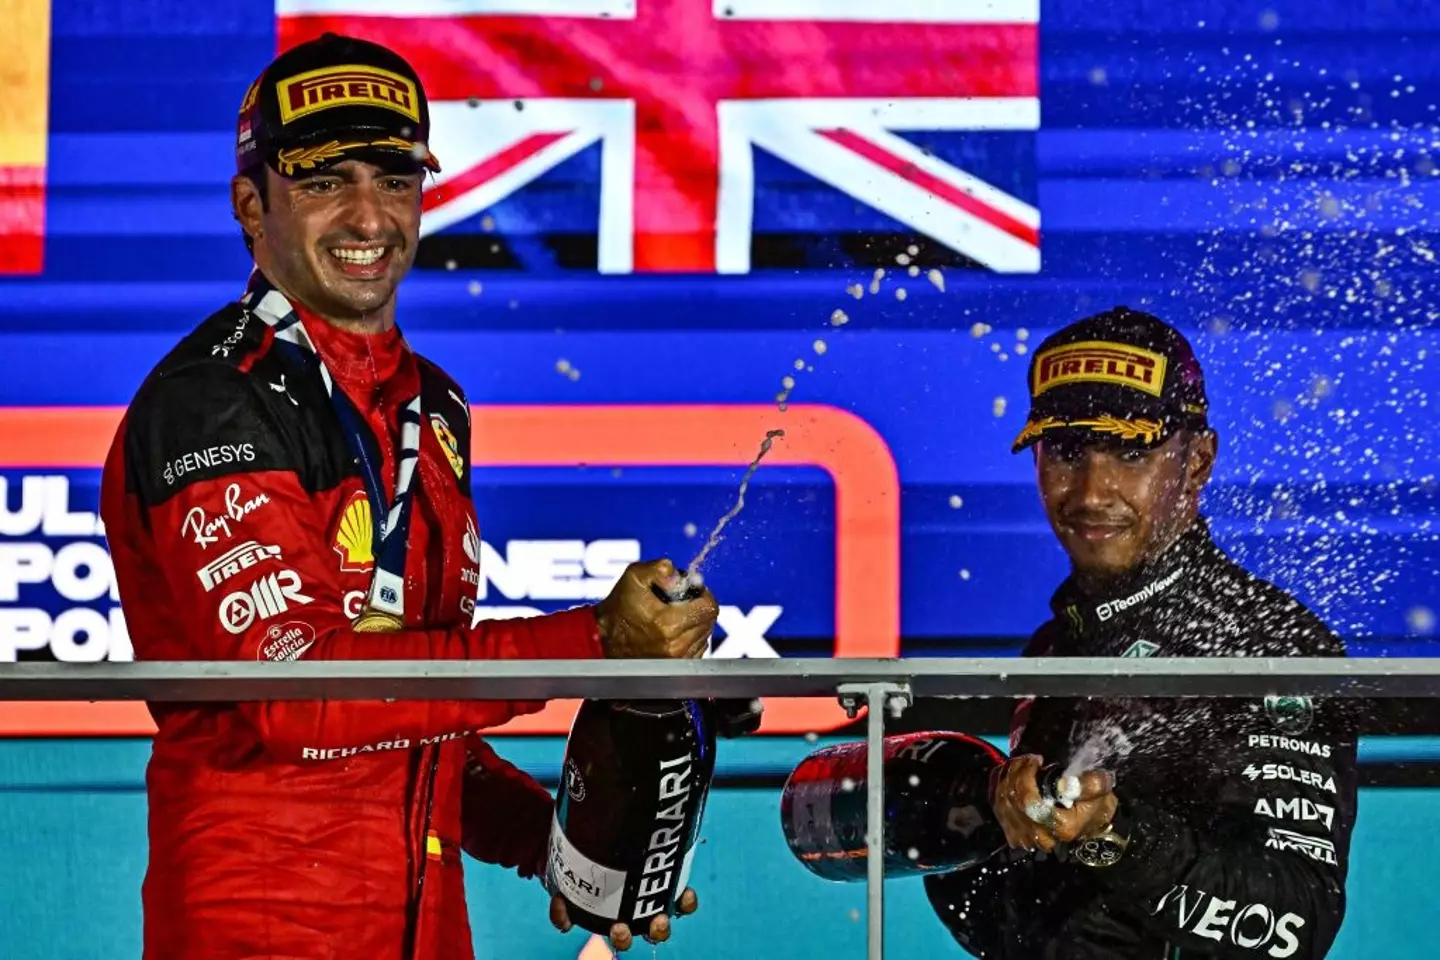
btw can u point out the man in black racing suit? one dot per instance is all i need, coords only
(1219, 827)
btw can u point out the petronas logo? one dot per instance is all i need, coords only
(355, 535)
(1141, 648)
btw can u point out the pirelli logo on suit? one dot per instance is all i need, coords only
(1097, 361)
(346, 86)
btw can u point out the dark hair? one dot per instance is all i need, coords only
(255, 175)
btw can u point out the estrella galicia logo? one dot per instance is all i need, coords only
(574, 783)
(1292, 715)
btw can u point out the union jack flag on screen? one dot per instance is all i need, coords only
(694, 133)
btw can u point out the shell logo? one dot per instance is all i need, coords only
(354, 535)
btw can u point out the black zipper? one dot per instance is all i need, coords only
(412, 922)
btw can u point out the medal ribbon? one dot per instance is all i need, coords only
(391, 521)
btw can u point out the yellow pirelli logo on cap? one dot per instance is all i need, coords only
(1098, 361)
(346, 86)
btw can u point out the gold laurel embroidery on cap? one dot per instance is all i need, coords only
(1034, 428)
(308, 157)
(395, 142)
(1146, 430)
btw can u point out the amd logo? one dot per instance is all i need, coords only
(1295, 808)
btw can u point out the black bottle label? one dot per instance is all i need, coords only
(629, 810)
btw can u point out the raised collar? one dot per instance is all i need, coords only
(1084, 613)
(361, 363)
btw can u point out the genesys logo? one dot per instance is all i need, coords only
(206, 458)
(866, 575)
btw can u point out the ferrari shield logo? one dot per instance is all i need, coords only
(448, 444)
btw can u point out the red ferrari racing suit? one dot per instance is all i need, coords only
(241, 529)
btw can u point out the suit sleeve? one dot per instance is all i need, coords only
(974, 905)
(1264, 875)
(505, 813)
(245, 556)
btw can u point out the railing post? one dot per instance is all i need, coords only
(879, 698)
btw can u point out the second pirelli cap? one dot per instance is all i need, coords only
(1123, 376)
(331, 99)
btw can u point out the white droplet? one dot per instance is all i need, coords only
(913, 853)
(487, 223)
(903, 259)
(913, 250)
(1020, 349)
(955, 502)
(838, 318)
(812, 737)
(855, 290)
(875, 281)
(562, 366)
(847, 785)
(800, 364)
(854, 914)
(937, 278)
(451, 264)
(978, 329)
(964, 574)
(691, 530)
(1022, 334)
(914, 270)
(820, 346)
(900, 293)
(1421, 620)
(474, 288)
(788, 383)
(999, 406)
(914, 780)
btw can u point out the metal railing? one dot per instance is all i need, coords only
(889, 685)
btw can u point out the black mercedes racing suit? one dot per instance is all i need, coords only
(1240, 810)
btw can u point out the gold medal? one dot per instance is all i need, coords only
(377, 621)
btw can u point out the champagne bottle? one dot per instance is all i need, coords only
(633, 789)
(937, 807)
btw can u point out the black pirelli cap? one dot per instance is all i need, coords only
(331, 99)
(1123, 375)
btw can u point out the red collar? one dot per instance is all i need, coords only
(359, 362)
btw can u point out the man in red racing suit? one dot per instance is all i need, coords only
(240, 497)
